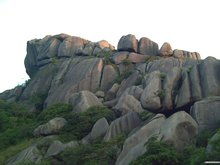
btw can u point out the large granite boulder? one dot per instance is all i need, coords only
(83, 100)
(76, 74)
(127, 103)
(137, 58)
(99, 129)
(147, 47)
(166, 50)
(47, 48)
(207, 113)
(56, 147)
(30, 154)
(134, 91)
(181, 54)
(128, 43)
(134, 145)
(163, 65)
(52, 127)
(111, 94)
(122, 125)
(128, 82)
(108, 76)
(151, 96)
(179, 130)
(70, 46)
(119, 57)
(170, 85)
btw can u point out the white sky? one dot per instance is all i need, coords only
(192, 25)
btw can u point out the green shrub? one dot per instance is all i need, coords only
(104, 153)
(121, 77)
(193, 155)
(38, 100)
(158, 153)
(80, 124)
(202, 138)
(146, 115)
(57, 110)
(214, 154)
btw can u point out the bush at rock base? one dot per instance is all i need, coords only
(104, 153)
(80, 124)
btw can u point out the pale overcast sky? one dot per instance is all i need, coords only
(192, 25)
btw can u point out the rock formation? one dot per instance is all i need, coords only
(177, 86)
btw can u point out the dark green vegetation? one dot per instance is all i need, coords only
(17, 125)
(104, 153)
(160, 153)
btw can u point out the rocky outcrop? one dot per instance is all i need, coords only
(207, 113)
(83, 100)
(128, 43)
(147, 47)
(52, 127)
(81, 74)
(178, 130)
(122, 125)
(166, 50)
(134, 145)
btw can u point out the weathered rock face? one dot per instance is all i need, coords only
(126, 83)
(57, 147)
(98, 130)
(108, 76)
(83, 100)
(134, 145)
(166, 50)
(70, 46)
(128, 43)
(147, 47)
(31, 154)
(150, 98)
(134, 91)
(127, 103)
(207, 113)
(122, 125)
(179, 130)
(181, 54)
(81, 74)
(52, 127)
